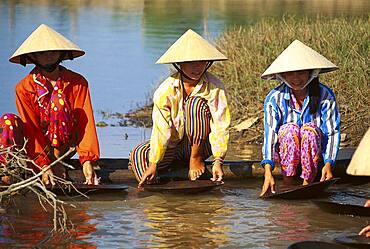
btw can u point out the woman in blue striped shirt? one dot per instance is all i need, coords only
(301, 117)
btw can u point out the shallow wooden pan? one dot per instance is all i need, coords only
(315, 245)
(342, 208)
(354, 241)
(302, 192)
(183, 186)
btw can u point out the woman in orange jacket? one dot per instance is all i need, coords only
(54, 105)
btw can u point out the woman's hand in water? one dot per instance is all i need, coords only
(47, 177)
(367, 204)
(90, 176)
(269, 182)
(149, 174)
(326, 173)
(217, 172)
(365, 231)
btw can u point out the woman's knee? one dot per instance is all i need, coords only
(288, 128)
(11, 130)
(288, 136)
(310, 131)
(197, 105)
(138, 159)
(197, 119)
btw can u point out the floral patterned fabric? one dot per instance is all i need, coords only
(299, 146)
(11, 132)
(54, 111)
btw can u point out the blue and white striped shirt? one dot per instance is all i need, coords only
(279, 110)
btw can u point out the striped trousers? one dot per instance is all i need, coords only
(197, 128)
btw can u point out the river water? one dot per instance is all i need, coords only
(122, 40)
(232, 217)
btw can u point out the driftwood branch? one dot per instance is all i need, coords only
(24, 179)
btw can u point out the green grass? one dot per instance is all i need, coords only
(345, 41)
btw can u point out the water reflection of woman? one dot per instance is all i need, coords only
(187, 223)
(190, 114)
(34, 232)
(54, 105)
(292, 221)
(301, 117)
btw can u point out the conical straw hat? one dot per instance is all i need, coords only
(297, 56)
(360, 163)
(191, 47)
(45, 38)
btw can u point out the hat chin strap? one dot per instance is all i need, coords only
(187, 77)
(50, 67)
(314, 74)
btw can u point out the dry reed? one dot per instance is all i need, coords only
(343, 40)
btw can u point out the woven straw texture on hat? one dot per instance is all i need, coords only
(297, 56)
(45, 38)
(360, 163)
(191, 47)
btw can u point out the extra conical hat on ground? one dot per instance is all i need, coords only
(45, 38)
(191, 47)
(360, 163)
(297, 56)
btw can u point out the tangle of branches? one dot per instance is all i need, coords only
(24, 180)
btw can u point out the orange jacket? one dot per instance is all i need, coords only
(77, 92)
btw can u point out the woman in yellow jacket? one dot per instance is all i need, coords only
(191, 117)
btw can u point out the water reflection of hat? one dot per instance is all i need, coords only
(360, 163)
(297, 56)
(42, 39)
(191, 47)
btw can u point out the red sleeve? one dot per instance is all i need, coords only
(36, 143)
(87, 139)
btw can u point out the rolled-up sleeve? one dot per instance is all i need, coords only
(161, 131)
(271, 121)
(36, 145)
(331, 129)
(87, 140)
(220, 123)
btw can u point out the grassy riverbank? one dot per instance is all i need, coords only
(345, 41)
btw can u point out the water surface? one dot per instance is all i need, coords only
(122, 40)
(233, 217)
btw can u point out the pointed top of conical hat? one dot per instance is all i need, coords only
(360, 162)
(191, 47)
(45, 38)
(297, 56)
